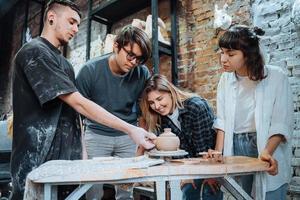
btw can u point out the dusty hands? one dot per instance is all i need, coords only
(142, 137)
(266, 156)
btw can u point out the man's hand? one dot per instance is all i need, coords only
(142, 137)
(266, 156)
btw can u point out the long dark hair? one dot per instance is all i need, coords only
(245, 39)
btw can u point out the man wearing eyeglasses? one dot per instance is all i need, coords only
(46, 101)
(115, 82)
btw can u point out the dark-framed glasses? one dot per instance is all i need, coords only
(131, 56)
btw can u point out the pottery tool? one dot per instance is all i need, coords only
(190, 161)
(213, 153)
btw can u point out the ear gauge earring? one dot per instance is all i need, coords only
(50, 22)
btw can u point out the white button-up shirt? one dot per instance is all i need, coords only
(273, 115)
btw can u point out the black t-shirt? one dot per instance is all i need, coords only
(45, 128)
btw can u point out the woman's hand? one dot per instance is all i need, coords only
(188, 181)
(211, 153)
(266, 156)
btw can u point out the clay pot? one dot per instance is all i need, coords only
(167, 141)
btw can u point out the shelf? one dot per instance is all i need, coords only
(108, 12)
(111, 11)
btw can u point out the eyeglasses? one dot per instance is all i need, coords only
(131, 56)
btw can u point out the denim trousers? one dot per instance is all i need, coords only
(278, 194)
(244, 144)
(190, 193)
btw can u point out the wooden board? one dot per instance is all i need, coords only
(92, 170)
(128, 170)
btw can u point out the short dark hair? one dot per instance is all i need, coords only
(130, 35)
(51, 4)
(246, 39)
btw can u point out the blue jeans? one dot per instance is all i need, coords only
(189, 193)
(278, 194)
(244, 144)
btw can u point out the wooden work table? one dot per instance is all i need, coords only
(42, 182)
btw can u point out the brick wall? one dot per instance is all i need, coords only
(199, 69)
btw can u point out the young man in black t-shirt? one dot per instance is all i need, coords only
(46, 101)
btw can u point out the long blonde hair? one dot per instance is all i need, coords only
(160, 83)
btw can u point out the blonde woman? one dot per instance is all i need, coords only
(190, 117)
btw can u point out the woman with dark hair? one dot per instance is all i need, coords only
(254, 111)
(190, 117)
